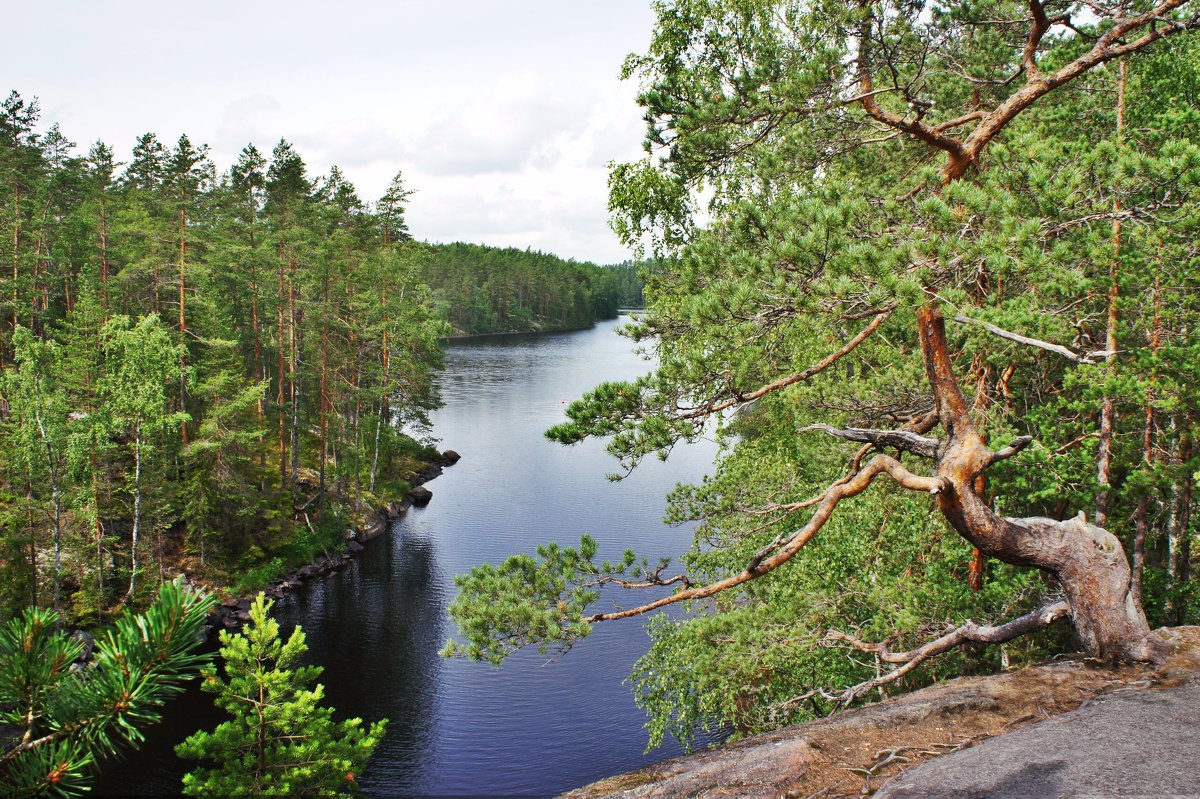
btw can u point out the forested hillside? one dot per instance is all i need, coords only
(188, 357)
(491, 290)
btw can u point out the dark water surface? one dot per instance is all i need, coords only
(532, 727)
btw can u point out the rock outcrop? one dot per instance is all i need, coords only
(856, 752)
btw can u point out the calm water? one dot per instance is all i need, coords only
(532, 727)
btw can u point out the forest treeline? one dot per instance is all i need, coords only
(490, 290)
(207, 371)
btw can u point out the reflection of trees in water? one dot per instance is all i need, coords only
(376, 627)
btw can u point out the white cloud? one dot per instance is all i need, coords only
(501, 115)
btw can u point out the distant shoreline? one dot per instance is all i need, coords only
(467, 336)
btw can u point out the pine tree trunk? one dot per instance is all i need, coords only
(279, 398)
(1088, 562)
(1142, 512)
(183, 425)
(324, 403)
(16, 256)
(296, 316)
(1179, 552)
(258, 366)
(1108, 406)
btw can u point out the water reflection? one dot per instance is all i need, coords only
(381, 622)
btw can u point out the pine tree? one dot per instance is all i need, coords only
(280, 741)
(69, 717)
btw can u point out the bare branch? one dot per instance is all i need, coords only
(898, 439)
(653, 582)
(1069, 354)
(1075, 442)
(968, 632)
(1016, 445)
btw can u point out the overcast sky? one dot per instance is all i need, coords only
(501, 114)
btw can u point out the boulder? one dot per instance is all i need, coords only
(450, 457)
(374, 528)
(430, 471)
(354, 547)
(89, 644)
(420, 496)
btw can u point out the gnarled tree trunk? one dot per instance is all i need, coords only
(1087, 561)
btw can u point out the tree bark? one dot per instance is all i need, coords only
(1108, 408)
(183, 425)
(137, 511)
(296, 314)
(279, 397)
(1179, 550)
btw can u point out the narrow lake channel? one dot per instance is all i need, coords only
(532, 727)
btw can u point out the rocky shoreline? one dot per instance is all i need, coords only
(233, 612)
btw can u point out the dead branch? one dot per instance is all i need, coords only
(609, 579)
(968, 632)
(1016, 445)
(1069, 354)
(897, 439)
(1075, 442)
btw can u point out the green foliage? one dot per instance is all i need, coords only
(71, 715)
(280, 741)
(524, 601)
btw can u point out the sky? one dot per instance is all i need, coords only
(502, 115)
